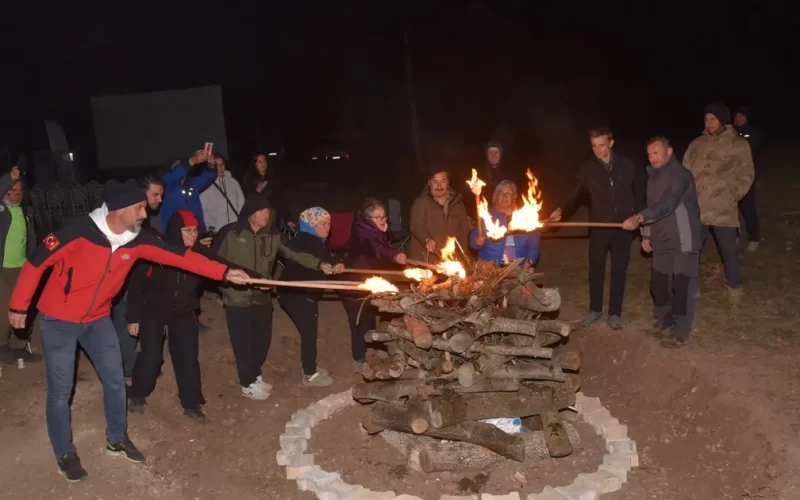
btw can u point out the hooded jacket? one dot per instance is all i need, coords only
(182, 191)
(217, 212)
(309, 242)
(164, 292)
(255, 252)
(90, 264)
(430, 220)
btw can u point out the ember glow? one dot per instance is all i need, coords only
(378, 285)
(417, 273)
(449, 265)
(526, 218)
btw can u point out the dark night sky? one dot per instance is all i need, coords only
(302, 71)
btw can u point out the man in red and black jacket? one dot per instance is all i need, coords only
(91, 258)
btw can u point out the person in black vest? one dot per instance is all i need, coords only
(616, 190)
(302, 304)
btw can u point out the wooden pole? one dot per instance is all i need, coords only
(330, 285)
(420, 263)
(582, 224)
(375, 271)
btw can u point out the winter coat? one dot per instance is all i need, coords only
(430, 220)
(181, 191)
(307, 241)
(723, 171)
(217, 211)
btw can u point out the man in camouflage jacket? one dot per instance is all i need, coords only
(722, 165)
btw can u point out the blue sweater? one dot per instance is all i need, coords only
(178, 197)
(525, 244)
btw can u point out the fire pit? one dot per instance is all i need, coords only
(471, 348)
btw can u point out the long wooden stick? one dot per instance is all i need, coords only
(325, 282)
(391, 272)
(582, 224)
(330, 285)
(420, 263)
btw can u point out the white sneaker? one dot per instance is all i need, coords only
(255, 391)
(260, 381)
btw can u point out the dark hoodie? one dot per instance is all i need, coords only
(306, 241)
(164, 292)
(255, 252)
(493, 174)
(273, 191)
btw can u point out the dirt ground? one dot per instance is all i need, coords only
(715, 420)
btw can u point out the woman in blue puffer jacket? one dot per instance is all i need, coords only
(512, 246)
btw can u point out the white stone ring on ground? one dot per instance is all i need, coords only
(620, 458)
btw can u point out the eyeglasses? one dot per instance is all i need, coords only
(379, 217)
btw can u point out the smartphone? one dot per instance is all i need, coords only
(208, 148)
(22, 163)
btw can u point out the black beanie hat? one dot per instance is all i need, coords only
(719, 110)
(120, 195)
(747, 111)
(252, 204)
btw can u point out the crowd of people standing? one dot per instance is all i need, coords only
(171, 233)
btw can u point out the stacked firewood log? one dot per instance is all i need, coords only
(469, 349)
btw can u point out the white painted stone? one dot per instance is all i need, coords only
(302, 460)
(407, 497)
(289, 441)
(633, 458)
(614, 432)
(586, 404)
(284, 456)
(365, 494)
(509, 496)
(294, 471)
(598, 417)
(620, 472)
(617, 461)
(338, 401)
(337, 490)
(601, 481)
(298, 430)
(320, 412)
(315, 479)
(547, 494)
(306, 415)
(457, 497)
(621, 446)
(578, 491)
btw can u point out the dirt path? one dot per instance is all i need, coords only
(715, 420)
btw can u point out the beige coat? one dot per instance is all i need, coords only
(430, 220)
(722, 166)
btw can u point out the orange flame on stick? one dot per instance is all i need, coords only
(417, 274)
(378, 285)
(449, 265)
(475, 183)
(526, 218)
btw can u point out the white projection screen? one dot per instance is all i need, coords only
(150, 129)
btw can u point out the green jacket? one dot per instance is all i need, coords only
(257, 253)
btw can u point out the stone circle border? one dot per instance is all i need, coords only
(620, 458)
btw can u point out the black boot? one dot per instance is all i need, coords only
(7, 355)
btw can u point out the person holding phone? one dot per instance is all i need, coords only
(182, 191)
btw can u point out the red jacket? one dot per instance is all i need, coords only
(87, 275)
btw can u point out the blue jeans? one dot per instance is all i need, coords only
(59, 342)
(127, 343)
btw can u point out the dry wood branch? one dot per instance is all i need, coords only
(420, 332)
(529, 371)
(391, 417)
(418, 414)
(555, 435)
(503, 350)
(522, 297)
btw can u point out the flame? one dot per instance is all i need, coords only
(378, 285)
(492, 228)
(449, 265)
(475, 182)
(526, 218)
(417, 273)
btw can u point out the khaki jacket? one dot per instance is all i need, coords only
(722, 166)
(430, 220)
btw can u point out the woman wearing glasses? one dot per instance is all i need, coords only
(369, 249)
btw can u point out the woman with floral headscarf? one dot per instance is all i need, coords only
(301, 304)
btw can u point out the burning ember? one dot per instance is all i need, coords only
(493, 229)
(449, 265)
(378, 285)
(527, 218)
(417, 273)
